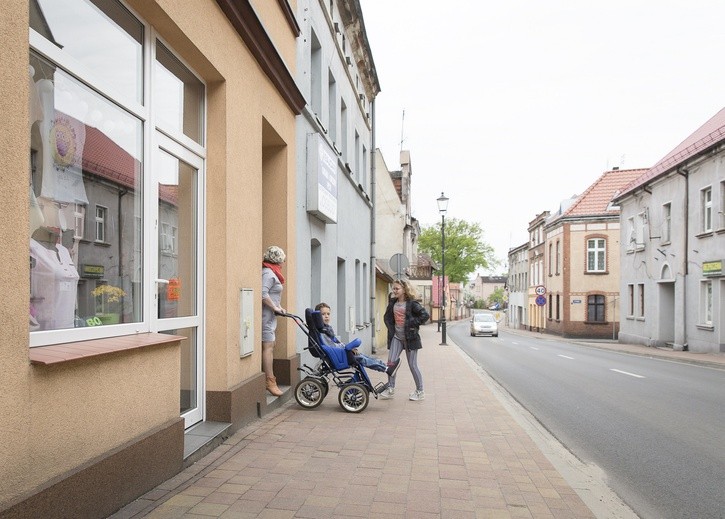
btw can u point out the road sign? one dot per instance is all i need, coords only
(540, 290)
(540, 300)
(398, 263)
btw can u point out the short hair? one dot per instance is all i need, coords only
(320, 306)
(274, 254)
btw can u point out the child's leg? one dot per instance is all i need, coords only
(369, 362)
(412, 356)
(396, 348)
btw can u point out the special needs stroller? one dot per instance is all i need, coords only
(337, 365)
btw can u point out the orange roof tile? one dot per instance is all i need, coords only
(597, 197)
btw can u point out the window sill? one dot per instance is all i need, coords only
(67, 352)
(704, 234)
(596, 273)
(706, 327)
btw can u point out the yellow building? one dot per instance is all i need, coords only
(155, 141)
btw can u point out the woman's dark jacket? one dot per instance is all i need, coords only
(415, 315)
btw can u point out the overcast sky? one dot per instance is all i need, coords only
(511, 107)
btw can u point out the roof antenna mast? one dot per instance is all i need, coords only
(402, 125)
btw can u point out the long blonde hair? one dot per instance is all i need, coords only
(408, 290)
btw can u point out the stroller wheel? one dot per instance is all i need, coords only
(309, 392)
(353, 398)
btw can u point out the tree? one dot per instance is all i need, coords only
(465, 249)
(498, 296)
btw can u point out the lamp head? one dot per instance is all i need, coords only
(442, 204)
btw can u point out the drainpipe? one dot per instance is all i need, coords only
(686, 174)
(373, 269)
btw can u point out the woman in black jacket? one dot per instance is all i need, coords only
(403, 318)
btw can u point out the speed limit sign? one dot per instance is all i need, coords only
(540, 290)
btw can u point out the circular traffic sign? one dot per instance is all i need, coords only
(540, 300)
(540, 290)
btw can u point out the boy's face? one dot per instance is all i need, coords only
(325, 313)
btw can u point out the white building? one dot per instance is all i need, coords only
(673, 247)
(336, 74)
(518, 287)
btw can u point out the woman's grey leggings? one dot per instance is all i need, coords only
(396, 348)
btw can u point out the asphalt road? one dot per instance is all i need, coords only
(655, 427)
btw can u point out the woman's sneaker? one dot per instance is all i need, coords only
(418, 394)
(388, 393)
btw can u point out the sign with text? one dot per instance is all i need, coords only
(712, 268)
(321, 179)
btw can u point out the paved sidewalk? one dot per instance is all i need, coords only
(458, 454)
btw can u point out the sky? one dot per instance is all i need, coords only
(511, 107)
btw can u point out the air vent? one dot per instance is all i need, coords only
(348, 60)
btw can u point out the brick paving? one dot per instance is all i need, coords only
(457, 454)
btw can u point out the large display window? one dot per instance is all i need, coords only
(116, 177)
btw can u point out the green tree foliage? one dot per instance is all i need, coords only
(466, 251)
(498, 296)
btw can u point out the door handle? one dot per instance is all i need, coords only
(162, 281)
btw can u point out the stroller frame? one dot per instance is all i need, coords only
(337, 366)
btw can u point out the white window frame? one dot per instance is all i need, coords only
(594, 248)
(706, 212)
(631, 234)
(101, 219)
(706, 301)
(640, 300)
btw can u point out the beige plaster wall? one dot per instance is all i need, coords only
(582, 283)
(54, 419)
(15, 385)
(243, 106)
(270, 12)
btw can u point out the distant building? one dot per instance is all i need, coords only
(483, 287)
(518, 287)
(536, 313)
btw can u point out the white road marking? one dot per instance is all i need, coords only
(534, 348)
(565, 357)
(627, 373)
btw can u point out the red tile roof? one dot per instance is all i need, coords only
(596, 199)
(707, 135)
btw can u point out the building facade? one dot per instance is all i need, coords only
(155, 143)
(536, 312)
(581, 261)
(518, 287)
(334, 211)
(673, 284)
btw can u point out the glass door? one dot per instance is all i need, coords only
(179, 268)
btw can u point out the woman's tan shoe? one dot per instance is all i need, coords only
(272, 386)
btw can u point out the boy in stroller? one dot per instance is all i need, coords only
(328, 336)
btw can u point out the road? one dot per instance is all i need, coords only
(655, 427)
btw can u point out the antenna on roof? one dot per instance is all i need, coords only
(402, 125)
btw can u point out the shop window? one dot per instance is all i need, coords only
(595, 309)
(89, 126)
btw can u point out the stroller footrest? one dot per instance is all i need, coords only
(381, 386)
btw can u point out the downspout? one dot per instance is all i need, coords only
(685, 173)
(373, 268)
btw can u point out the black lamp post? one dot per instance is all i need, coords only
(442, 208)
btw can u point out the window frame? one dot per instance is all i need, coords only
(706, 224)
(596, 250)
(666, 223)
(706, 303)
(600, 307)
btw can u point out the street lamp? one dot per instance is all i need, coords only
(443, 208)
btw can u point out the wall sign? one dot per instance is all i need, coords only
(712, 268)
